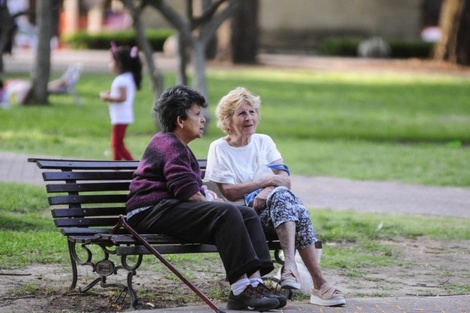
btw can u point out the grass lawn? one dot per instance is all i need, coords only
(410, 128)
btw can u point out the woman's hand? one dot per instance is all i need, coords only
(277, 180)
(198, 196)
(259, 202)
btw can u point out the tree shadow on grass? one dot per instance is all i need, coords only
(23, 223)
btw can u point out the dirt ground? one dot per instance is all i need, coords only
(427, 268)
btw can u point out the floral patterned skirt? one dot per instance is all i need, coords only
(284, 206)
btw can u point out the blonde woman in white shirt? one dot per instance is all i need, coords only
(247, 167)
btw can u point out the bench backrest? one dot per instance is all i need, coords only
(87, 196)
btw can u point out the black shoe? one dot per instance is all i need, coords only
(268, 292)
(252, 300)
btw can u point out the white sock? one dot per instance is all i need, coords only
(240, 285)
(255, 281)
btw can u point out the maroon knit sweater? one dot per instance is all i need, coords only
(168, 169)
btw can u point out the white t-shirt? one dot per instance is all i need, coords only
(236, 165)
(122, 112)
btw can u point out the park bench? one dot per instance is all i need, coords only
(87, 199)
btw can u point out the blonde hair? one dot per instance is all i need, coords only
(232, 102)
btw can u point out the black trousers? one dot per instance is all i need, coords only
(236, 231)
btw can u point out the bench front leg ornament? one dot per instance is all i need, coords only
(103, 268)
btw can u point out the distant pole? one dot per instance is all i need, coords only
(71, 17)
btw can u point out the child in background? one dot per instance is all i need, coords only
(127, 65)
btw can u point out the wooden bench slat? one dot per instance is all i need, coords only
(84, 187)
(150, 238)
(274, 245)
(85, 231)
(88, 199)
(86, 222)
(66, 176)
(202, 163)
(86, 239)
(83, 212)
(83, 164)
(166, 249)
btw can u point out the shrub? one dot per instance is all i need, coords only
(400, 49)
(100, 41)
(339, 46)
(403, 49)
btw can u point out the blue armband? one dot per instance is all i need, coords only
(280, 167)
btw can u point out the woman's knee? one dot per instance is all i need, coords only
(247, 211)
(228, 210)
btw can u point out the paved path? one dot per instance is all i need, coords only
(321, 192)
(387, 197)
(21, 61)
(450, 304)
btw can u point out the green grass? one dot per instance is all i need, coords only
(350, 106)
(27, 231)
(366, 232)
(410, 128)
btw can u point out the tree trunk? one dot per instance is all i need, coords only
(6, 31)
(454, 45)
(244, 39)
(463, 36)
(211, 48)
(155, 74)
(198, 60)
(181, 60)
(41, 70)
(200, 80)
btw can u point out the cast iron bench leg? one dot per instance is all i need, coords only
(131, 291)
(74, 266)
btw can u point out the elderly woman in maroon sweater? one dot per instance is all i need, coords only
(167, 197)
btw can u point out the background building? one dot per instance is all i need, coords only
(283, 24)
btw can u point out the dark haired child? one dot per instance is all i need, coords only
(126, 63)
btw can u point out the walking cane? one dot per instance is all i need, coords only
(122, 223)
